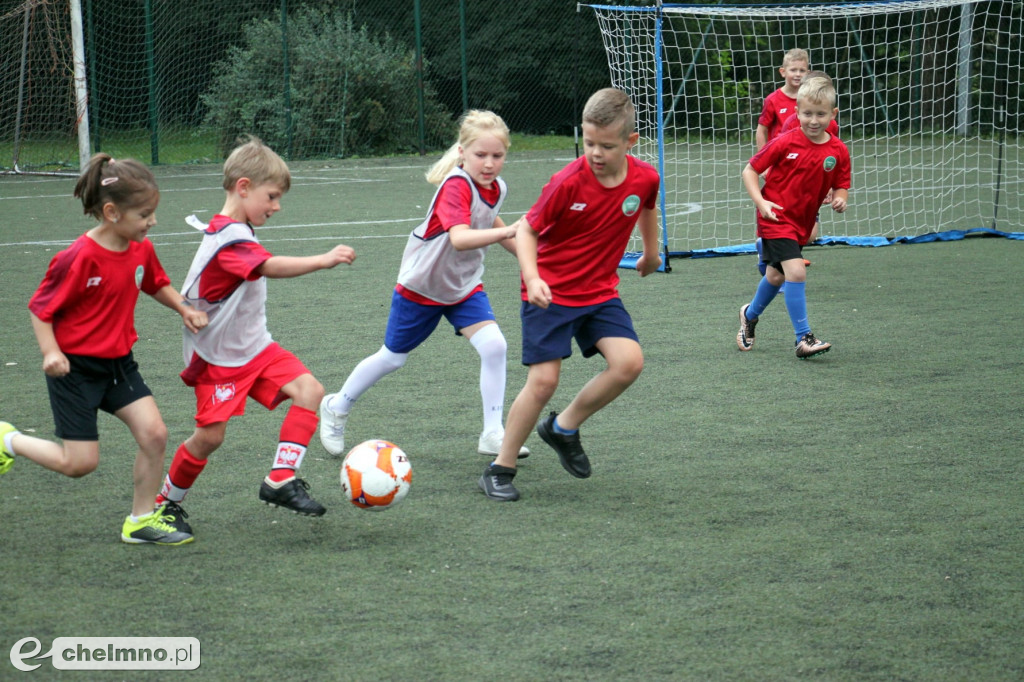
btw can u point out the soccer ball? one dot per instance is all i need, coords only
(376, 475)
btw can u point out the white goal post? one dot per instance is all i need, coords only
(929, 105)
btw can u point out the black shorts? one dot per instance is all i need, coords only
(93, 384)
(774, 251)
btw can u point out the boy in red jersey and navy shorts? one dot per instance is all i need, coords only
(569, 247)
(234, 357)
(806, 164)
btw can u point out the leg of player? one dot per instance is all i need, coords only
(334, 408)
(490, 344)
(282, 487)
(541, 382)
(625, 363)
(807, 345)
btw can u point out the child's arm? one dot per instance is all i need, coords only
(55, 363)
(753, 186)
(761, 136)
(281, 267)
(537, 290)
(650, 261)
(194, 319)
(463, 238)
(839, 200)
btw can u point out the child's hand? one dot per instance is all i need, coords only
(56, 364)
(827, 199)
(767, 209)
(339, 254)
(838, 204)
(194, 319)
(538, 293)
(646, 266)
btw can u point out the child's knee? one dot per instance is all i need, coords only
(80, 466)
(154, 438)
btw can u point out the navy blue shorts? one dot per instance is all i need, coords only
(548, 332)
(410, 323)
(93, 384)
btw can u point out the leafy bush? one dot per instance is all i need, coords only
(351, 93)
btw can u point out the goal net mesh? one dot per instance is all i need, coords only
(929, 105)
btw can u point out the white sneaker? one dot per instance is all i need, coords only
(490, 444)
(332, 428)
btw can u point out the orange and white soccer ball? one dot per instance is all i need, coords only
(376, 475)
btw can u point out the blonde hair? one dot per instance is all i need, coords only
(473, 125)
(796, 55)
(608, 107)
(817, 90)
(126, 184)
(817, 74)
(254, 160)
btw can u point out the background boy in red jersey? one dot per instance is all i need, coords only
(806, 164)
(234, 357)
(778, 107)
(83, 316)
(569, 246)
(780, 104)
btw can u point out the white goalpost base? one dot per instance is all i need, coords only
(929, 105)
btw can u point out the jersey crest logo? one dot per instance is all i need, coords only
(783, 110)
(631, 205)
(830, 163)
(139, 272)
(792, 155)
(578, 206)
(93, 282)
(223, 392)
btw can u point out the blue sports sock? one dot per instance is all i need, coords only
(796, 304)
(559, 429)
(766, 291)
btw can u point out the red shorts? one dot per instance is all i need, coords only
(221, 391)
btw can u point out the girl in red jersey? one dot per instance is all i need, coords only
(441, 275)
(83, 316)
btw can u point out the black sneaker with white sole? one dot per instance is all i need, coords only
(292, 495)
(496, 483)
(569, 449)
(174, 515)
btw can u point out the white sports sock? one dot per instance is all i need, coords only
(9, 441)
(367, 373)
(492, 347)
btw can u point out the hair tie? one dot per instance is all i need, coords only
(108, 181)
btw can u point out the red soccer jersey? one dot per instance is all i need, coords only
(802, 174)
(584, 228)
(794, 122)
(231, 266)
(778, 106)
(89, 295)
(454, 203)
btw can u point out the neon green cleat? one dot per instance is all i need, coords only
(6, 456)
(153, 529)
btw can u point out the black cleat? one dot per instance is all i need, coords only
(497, 483)
(569, 449)
(291, 495)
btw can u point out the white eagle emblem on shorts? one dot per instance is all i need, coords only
(223, 392)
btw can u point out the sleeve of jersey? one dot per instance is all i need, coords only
(765, 158)
(452, 206)
(546, 210)
(156, 277)
(54, 291)
(243, 259)
(843, 180)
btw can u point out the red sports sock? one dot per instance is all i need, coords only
(296, 432)
(185, 468)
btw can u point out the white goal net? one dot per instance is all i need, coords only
(929, 105)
